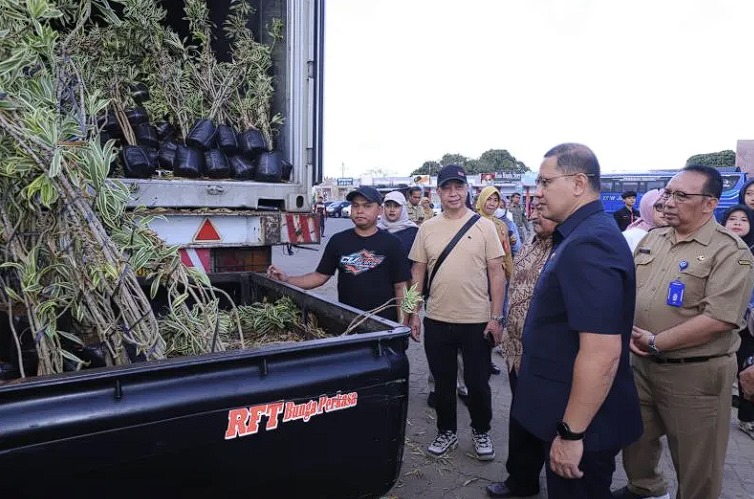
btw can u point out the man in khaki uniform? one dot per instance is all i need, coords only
(413, 208)
(694, 279)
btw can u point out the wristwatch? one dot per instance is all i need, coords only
(651, 344)
(497, 318)
(564, 432)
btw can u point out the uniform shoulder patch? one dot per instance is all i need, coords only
(744, 261)
(739, 242)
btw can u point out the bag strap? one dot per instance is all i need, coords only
(471, 221)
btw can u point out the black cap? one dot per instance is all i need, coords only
(451, 172)
(370, 193)
(628, 194)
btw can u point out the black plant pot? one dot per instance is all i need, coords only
(136, 162)
(242, 168)
(137, 115)
(216, 164)
(109, 123)
(202, 135)
(146, 135)
(252, 143)
(287, 171)
(188, 162)
(227, 140)
(165, 131)
(166, 155)
(139, 93)
(269, 167)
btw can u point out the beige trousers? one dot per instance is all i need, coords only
(691, 405)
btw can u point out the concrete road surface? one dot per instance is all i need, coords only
(460, 475)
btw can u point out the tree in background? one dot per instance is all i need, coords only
(428, 168)
(454, 159)
(493, 160)
(716, 159)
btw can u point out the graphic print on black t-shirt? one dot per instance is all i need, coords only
(368, 268)
(361, 261)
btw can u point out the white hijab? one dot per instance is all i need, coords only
(403, 222)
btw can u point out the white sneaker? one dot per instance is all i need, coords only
(443, 443)
(483, 446)
(747, 427)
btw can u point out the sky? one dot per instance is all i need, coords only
(645, 84)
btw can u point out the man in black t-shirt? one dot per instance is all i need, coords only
(372, 268)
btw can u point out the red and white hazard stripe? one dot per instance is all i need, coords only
(302, 228)
(197, 258)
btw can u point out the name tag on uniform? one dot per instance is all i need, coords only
(675, 293)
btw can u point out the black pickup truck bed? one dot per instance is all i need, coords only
(322, 418)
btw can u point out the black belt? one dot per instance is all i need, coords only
(685, 360)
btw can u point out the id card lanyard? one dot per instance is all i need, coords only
(676, 287)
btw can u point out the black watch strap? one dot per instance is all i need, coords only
(564, 432)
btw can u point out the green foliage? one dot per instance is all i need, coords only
(453, 159)
(69, 246)
(493, 160)
(428, 168)
(725, 158)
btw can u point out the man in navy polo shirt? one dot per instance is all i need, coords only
(576, 392)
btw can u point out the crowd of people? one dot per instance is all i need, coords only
(616, 330)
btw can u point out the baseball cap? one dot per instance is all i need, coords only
(451, 172)
(396, 197)
(370, 193)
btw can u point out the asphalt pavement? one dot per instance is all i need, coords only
(460, 475)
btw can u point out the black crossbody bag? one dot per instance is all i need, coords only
(428, 278)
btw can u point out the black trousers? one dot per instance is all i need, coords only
(598, 468)
(745, 406)
(442, 341)
(526, 455)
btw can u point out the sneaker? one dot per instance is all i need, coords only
(625, 493)
(483, 446)
(747, 427)
(444, 442)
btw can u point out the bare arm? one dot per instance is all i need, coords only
(695, 331)
(496, 276)
(307, 281)
(400, 288)
(418, 271)
(593, 374)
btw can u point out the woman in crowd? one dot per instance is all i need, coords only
(395, 220)
(486, 204)
(746, 194)
(650, 211)
(739, 219)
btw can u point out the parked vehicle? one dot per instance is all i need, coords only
(335, 209)
(346, 211)
(614, 184)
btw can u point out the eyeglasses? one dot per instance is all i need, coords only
(545, 181)
(680, 196)
(659, 207)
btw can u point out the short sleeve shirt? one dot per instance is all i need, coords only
(587, 285)
(460, 292)
(715, 268)
(368, 268)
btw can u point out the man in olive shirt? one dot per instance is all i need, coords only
(413, 208)
(694, 279)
